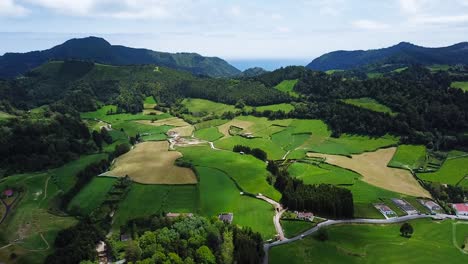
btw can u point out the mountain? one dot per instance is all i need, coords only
(402, 54)
(252, 72)
(100, 51)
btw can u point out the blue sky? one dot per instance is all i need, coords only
(235, 30)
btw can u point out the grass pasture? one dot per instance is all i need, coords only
(352, 144)
(144, 200)
(377, 244)
(287, 86)
(249, 172)
(4, 116)
(152, 163)
(273, 150)
(219, 194)
(202, 107)
(460, 85)
(452, 172)
(370, 104)
(408, 157)
(312, 174)
(293, 228)
(373, 167)
(92, 195)
(276, 107)
(208, 134)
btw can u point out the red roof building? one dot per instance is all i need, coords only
(461, 209)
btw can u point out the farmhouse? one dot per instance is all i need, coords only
(430, 205)
(461, 209)
(306, 216)
(8, 193)
(385, 210)
(175, 215)
(405, 206)
(226, 217)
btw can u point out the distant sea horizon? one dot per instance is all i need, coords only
(267, 64)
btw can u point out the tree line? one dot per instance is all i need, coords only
(324, 199)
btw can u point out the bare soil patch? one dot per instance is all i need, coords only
(173, 121)
(152, 163)
(373, 167)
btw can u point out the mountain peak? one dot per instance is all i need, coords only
(95, 41)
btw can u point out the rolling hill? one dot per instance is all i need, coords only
(402, 54)
(100, 51)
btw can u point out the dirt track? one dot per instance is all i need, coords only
(373, 167)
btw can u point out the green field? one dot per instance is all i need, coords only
(409, 156)
(209, 134)
(452, 172)
(435, 68)
(378, 244)
(249, 172)
(293, 228)
(149, 101)
(4, 116)
(273, 150)
(287, 86)
(325, 173)
(144, 200)
(30, 215)
(276, 107)
(91, 196)
(219, 194)
(460, 85)
(202, 107)
(370, 104)
(353, 144)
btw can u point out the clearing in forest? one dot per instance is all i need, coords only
(152, 163)
(373, 167)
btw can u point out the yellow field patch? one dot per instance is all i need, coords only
(185, 131)
(152, 111)
(245, 125)
(373, 167)
(173, 121)
(152, 163)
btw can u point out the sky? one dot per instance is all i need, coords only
(236, 30)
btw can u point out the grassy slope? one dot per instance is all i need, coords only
(328, 174)
(408, 156)
(371, 104)
(219, 194)
(376, 244)
(294, 228)
(209, 134)
(249, 172)
(460, 85)
(353, 144)
(287, 86)
(145, 200)
(30, 213)
(92, 195)
(451, 172)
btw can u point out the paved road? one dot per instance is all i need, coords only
(357, 221)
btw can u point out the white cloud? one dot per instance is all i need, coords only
(441, 19)
(412, 6)
(369, 24)
(235, 11)
(283, 29)
(10, 8)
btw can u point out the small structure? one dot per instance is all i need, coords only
(176, 215)
(226, 217)
(306, 216)
(101, 249)
(125, 237)
(405, 206)
(461, 209)
(432, 206)
(385, 210)
(8, 193)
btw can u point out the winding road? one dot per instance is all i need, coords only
(279, 210)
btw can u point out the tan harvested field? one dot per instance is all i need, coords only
(373, 167)
(185, 131)
(152, 163)
(224, 129)
(173, 121)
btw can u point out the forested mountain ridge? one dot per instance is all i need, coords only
(402, 54)
(100, 51)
